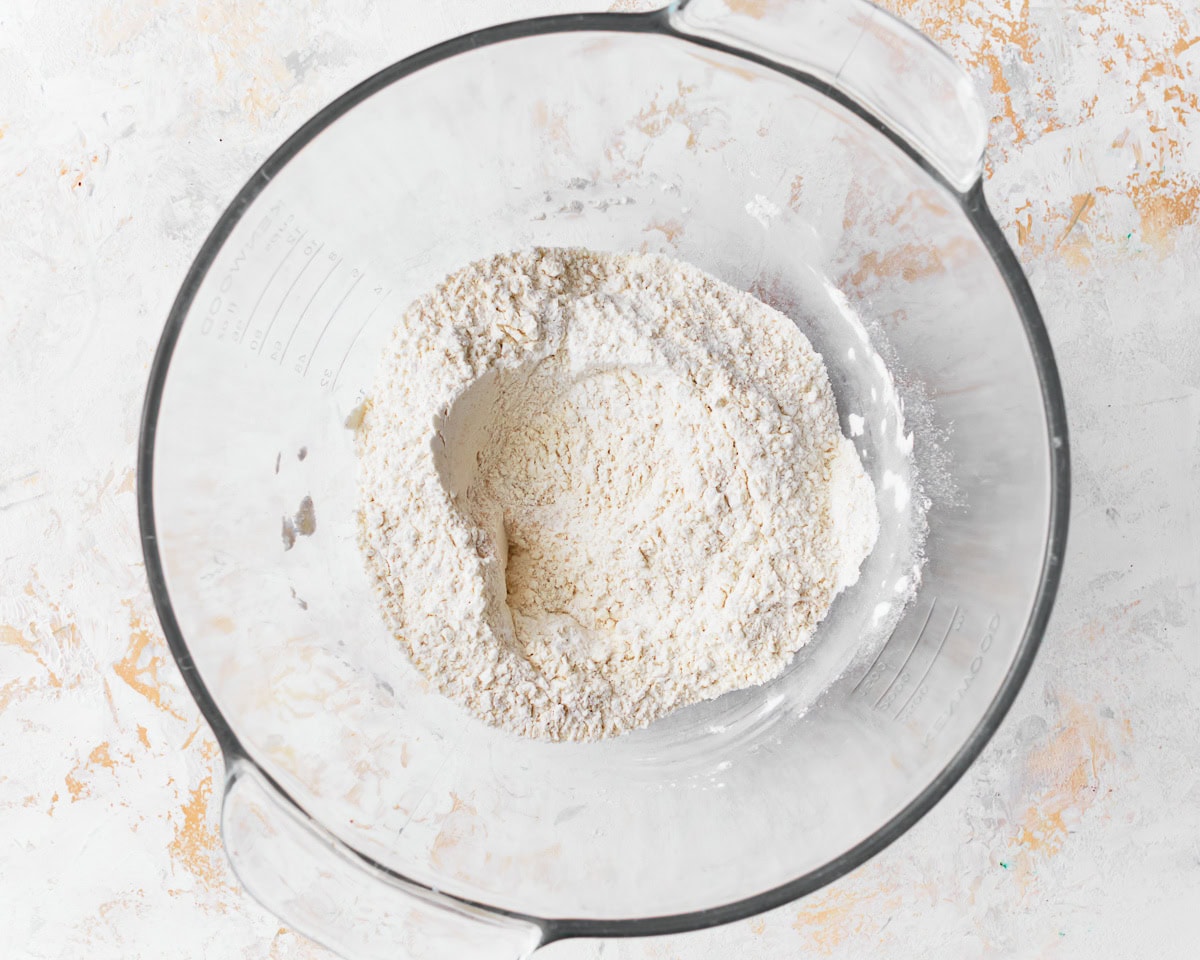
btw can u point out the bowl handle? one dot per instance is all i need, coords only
(322, 889)
(895, 73)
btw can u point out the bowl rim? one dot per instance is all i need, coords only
(974, 206)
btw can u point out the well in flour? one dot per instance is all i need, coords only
(598, 487)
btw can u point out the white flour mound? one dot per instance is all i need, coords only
(597, 487)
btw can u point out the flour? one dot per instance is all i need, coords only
(596, 488)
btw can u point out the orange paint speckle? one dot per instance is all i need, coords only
(671, 229)
(112, 705)
(1083, 204)
(1184, 44)
(910, 262)
(1069, 766)
(11, 636)
(141, 673)
(292, 946)
(1024, 229)
(1004, 26)
(796, 193)
(14, 690)
(552, 122)
(1074, 250)
(755, 9)
(657, 118)
(143, 736)
(76, 787)
(831, 917)
(51, 636)
(101, 757)
(196, 842)
(1164, 204)
(1001, 86)
(77, 781)
(1043, 832)
(191, 736)
(458, 830)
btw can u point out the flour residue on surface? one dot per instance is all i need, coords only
(596, 488)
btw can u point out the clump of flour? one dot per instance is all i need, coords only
(597, 487)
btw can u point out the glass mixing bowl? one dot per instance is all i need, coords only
(820, 154)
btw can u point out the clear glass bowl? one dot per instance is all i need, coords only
(819, 154)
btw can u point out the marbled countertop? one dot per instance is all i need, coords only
(125, 128)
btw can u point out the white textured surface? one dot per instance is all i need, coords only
(124, 130)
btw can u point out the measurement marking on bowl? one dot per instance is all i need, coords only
(916, 643)
(871, 668)
(288, 293)
(956, 623)
(303, 313)
(272, 248)
(973, 668)
(270, 280)
(354, 339)
(870, 674)
(336, 310)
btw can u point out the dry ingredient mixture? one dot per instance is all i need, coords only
(598, 487)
